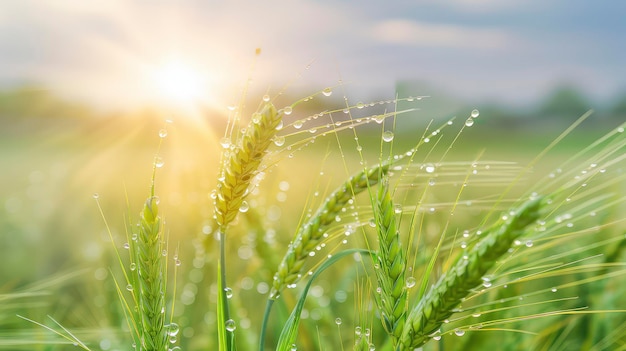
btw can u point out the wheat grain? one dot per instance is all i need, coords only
(312, 232)
(390, 262)
(464, 275)
(242, 163)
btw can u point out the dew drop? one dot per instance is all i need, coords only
(230, 325)
(279, 140)
(129, 287)
(126, 246)
(360, 105)
(429, 168)
(357, 331)
(229, 292)
(298, 124)
(172, 329)
(287, 110)
(397, 209)
(379, 118)
(158, 162)
(459, 332)
(293, 347)
(338, 321)
(162, 133)
(388, 136)
(256, 117)
(475, 113)
(529, 243)
(437, 337)
(244, 207)
(266, 98)
(327, 92)
(469, 122)
(133, 266)
(410, 282)
(96, 195)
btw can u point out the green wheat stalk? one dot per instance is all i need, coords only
(390, 263)
(465, 274)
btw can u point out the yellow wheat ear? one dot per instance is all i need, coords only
(242, 163)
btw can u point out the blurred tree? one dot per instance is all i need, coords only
(618, 108)
(565, 101)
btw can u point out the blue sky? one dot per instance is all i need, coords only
(107, 52)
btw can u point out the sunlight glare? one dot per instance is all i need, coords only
(180, 83)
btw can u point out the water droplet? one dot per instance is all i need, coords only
(172, 329)
(96, 195)
(129, 287)
(338, 321)
(256, 117)
(287, 110)
(279, 140)
(126, 246)
(298, 124)
(357, 331)
(229, 293)
(379, 118)
(410, 282)
(429, 168)
(164, 252)
(475, 113)
(437, 337)
(158, 162)
(553, 290)
(360, 105)
(371, 347)
(387, 136)
(469, 122)
(397, 209)
(133, 266)
(230, 325)
(529, 243)
(459, 332)
(327, 92)
(177, 262)
(293, 347)
(162, 133)
(266, 98)
(244, 207)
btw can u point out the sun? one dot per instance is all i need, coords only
(180, 83)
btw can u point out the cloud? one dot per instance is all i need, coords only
(414, 33)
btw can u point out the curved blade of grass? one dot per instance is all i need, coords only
(290, 330)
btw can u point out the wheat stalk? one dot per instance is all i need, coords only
(312, 232)
(242, 163)
(149, 278)
(390, 265)
(466, 274)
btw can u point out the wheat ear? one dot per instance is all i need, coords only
(149, 277)
(466, 274)
(390, 263)
(242, 163)
(312, 232)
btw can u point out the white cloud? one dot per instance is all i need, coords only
(413, 33)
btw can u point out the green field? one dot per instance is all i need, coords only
(560, 288)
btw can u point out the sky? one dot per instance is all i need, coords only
(125, 53)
